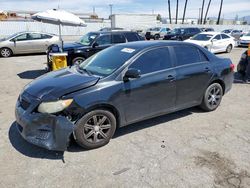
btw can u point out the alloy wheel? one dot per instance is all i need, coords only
(97, 128)
(214, 97)
(5, 52)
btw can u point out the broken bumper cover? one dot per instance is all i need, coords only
(44, 130)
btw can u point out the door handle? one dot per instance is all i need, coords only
(207, 69)
(170, 78)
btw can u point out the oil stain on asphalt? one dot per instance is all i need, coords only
(225, 174)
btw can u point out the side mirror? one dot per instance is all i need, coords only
(132, 73)
(95, 45)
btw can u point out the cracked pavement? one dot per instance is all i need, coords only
(184, 149)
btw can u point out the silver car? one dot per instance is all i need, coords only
(27, 42)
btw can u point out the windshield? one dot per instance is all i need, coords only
(226, 31)
(107, 61)
(248, 34)
(9, 37)
(202, 37)
(88, 38)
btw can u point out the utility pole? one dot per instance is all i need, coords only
(177, 7)
(169, 12)
(208, 6)
(199, 16)
(202, 8)
(111, 12)
(184, 12)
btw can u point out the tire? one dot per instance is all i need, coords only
(91, 132)
(147, 38)
(156, 37)
(229, 48)
(212, 97)
(6, 52)
(78, 60)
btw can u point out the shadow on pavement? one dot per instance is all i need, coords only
(31, 150)
(32, 74)
(239, 78)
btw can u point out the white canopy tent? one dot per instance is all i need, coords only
(60, 18)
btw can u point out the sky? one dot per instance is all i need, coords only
(231, 8)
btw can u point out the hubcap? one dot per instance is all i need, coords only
(97, 128)
(5, 52)
(214, 97)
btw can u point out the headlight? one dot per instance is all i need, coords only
(54, 107)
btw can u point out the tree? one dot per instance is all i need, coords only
(208, 6)
(184, 12)
(177, 7)
(169, 12)
(158, 17)
(218, 21)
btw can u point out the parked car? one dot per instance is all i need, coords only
(27, 42)
(118, 86)
(92, 43)
(207, 29)
(156, 33)
(244, 40)
(214, 41)
(234, 33)
(181, 34)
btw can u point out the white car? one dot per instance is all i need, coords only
(244, 40)
(214, 41)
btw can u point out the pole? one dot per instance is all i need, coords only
(202, 8)
(218, 21)
(177, 7)
(60, 34)
(208, 6)
(199, 16)
(169, 12)
(111, 12)
(184, 12)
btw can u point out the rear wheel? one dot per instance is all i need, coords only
(212, 97)
(95, 129)
(156, 37)
(229, 48)
(6, 52)
(78, 60)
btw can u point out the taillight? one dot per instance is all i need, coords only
(232, 67)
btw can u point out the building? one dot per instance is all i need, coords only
(134, 21)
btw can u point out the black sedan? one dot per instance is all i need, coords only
(181, 34)
(120, 85)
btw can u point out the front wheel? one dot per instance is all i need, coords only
(78, 60)
(95, 129)
(5, 52)
(212, 97)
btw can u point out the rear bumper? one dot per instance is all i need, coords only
(44, 130)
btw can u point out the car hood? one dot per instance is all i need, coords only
(245, 38)
(71, 46)
(56, 84)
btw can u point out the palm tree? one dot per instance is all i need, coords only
(169, 12)
(177, 7)
(218, 21)
(203, 2)
(208, 6)
(184, 12)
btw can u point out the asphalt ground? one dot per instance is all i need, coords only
(189, 148)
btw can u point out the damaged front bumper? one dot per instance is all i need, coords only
(44, 130)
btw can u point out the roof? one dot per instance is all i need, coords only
(211, 33)
(149, 44)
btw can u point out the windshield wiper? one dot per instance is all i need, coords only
(84, 70)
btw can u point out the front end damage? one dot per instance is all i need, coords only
(44, 130)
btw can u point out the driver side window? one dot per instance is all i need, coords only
(218, 37)
(22, 37)
(104, 40)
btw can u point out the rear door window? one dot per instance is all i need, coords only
(44, 36)
(186, 55)
(153, 60)
(131, 37)
(35, 36)
(118, 38)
